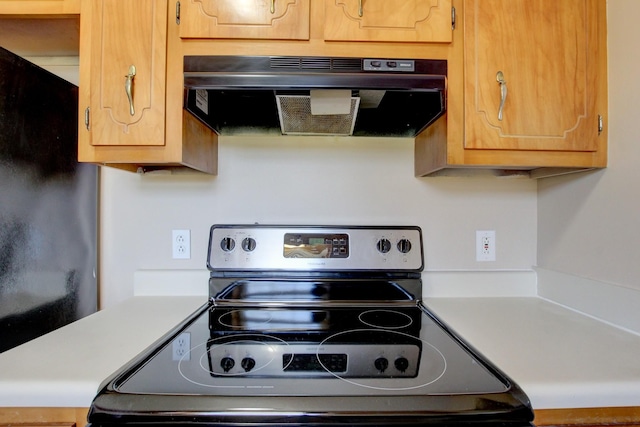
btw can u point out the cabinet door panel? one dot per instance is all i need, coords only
(128, 33)
(259, 19)
(389, 20)
(545, 51)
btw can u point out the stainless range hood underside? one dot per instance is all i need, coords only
(258, 95)
(235, 112)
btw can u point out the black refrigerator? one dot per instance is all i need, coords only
(48, 206)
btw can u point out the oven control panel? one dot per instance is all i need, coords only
(313, 248)
(315, 245)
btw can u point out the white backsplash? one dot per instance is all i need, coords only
(608, 302)
(435, 284)
(310, 180)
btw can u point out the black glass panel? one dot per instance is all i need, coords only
(352, 290)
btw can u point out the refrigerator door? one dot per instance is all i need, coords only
(48, 206)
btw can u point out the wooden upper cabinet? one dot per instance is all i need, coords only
(40, 7)
(546, 54)
(245, 19)
(128, 72)
(388, 20)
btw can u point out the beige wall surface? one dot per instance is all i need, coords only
(589, 226)
(310, 180)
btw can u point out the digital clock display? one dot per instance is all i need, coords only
(316, 240)
(311, 245)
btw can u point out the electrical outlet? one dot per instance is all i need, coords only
(181, 244)
(485, 245)
(181, 347)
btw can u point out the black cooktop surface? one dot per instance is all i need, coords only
(309, 350)
(269, 352)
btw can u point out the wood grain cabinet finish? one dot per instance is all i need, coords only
(545, 53)
(588, 417)
(389, 20)
(127, 118)
(40, 7)
(43, 417)
(527, 90)
(244, 19)
(550, 113)
(128, 37)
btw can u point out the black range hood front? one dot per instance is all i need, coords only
(315, 95)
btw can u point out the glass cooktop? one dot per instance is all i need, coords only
(311, 351)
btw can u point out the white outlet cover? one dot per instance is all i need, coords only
(485, 245)
(181, 244)
(181, 347)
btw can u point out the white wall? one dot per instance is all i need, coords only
(589, 226)
(310, 180)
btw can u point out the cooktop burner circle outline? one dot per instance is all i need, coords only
(205, 354)
(352, 381)
(238, 374)
(386, 313)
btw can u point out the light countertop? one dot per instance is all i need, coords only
(65, 367)
(562, 359)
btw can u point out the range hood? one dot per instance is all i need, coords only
(315, 95)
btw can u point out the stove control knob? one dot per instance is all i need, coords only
(227, 244)
(248, 244)
(381, 364)
(401, 364)
(404, 246)
(227, 363)
(248, 363)
(383, 246)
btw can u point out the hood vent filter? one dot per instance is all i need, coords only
(298, 117)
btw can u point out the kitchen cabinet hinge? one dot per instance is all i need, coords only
(87, 113)
(453, 18)
(178, 12)
(600, 124)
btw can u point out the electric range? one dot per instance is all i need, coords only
(312, 326)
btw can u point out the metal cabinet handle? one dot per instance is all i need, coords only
(128, 86)
(503, 92)
(360, 11)
(273, 6)
(600, 124)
